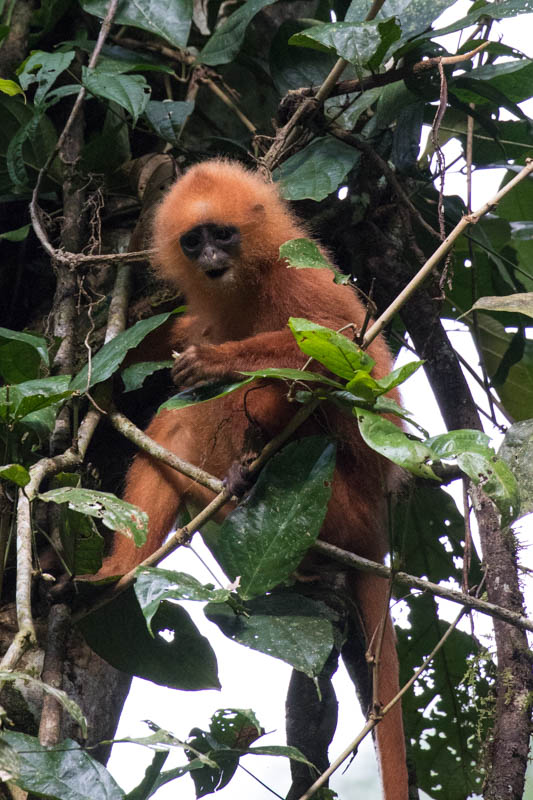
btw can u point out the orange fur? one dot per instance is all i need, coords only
(239, 322)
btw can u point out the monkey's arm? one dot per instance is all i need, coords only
(203, 363)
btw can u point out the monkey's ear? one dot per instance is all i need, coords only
(258, 208)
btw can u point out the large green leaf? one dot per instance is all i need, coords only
(471, 450)
(22, 399)
(516, 390)
(386, 438)
(118, 515)
(15, 473)
(64, 772)
(183, 660)
(446, 728)
(32, 149)
(154, 585)
(511, 8)
(21, 355)
(285, 625)
(132, 92)
(429, 535)
(519, 303)
(226, 41)
(363, 44)
(47, 67)
(70, 706)
(135, 375)
(334, 350)
(111, 355)
(265, 538)
(290, 374)
(169, 19)
(305, 254)
(202, 394)
(518, 204)
(317, 170)
(414, 15)
(294, 67)
(168, 117)
(512, 81)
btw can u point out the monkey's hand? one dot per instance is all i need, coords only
(200, 364)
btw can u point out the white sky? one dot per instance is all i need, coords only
(249, 679)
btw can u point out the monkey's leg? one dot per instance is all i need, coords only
(156, 489)
(371, 596)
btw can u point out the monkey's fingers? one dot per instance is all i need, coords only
(238, 480)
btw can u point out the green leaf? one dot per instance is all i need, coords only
(62, 697)
(23, 399)
(386, 438)
(428, 535)
(114, 513)
(364, 386)
(334, 350)
(226, 41)
(64, 772)
(305, 254)
(224, 761)
(151, 774)
(294, 67)
(363, 44)
(516, 450)
(9, 762)
(264, 540)
(132, 92)
(233, 727)
(398, 376)
(288, 374)
(10, 87)
(30, 150)
(167, 117)
(511, 8)
(135, 375)
(15, 473)
(446, 728)
(49, 67)
(21, 355)
(82, 544)
(202, 394)
(169, 19)
(17, 235)
(182, 660)
(415, 15)
(285, 625)
(516, 388)
(317, 170)
(519, 303)
(474, 456)
(153, 585)
(111, 355)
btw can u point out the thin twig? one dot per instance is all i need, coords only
(144, 442)
(405, 579)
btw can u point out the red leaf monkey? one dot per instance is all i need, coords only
(217, 235)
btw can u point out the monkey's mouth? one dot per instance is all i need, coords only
(216, 272)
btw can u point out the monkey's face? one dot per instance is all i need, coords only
(212, 248)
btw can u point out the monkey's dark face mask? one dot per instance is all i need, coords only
(212, 247)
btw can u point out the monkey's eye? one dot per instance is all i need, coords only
(191, 240)
(223, 234)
